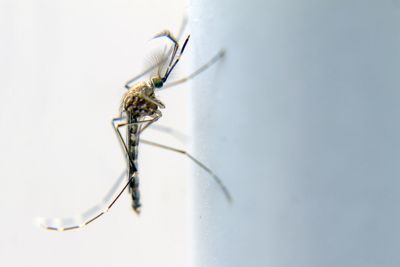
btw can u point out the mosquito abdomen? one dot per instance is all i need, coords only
(133, 142)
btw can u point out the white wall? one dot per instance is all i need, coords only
(301, 122)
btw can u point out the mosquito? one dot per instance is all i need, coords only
(139, 109)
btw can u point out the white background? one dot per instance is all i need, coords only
(63, 65)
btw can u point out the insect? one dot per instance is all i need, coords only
(139, 109)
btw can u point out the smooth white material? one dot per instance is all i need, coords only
(300, 120)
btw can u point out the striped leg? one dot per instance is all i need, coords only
(197, 162)
(119, 135)
(61, 225)
(134, 130)
(88, 216)
(213, 60)
(181, 30)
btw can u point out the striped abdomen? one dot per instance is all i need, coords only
(132, 144)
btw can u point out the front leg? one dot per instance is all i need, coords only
(116, 127)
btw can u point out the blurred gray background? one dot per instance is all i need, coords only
(301, 121)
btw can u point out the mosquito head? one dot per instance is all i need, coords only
(157, 82)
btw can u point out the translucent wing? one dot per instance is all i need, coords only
(156, 62)
(159, 57)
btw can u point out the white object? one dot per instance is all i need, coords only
(300, 121)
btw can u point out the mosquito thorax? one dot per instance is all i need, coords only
(157, 82)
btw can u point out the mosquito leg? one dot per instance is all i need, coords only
(171, 65)
(119, 135)
(182, 137)
(156, 117)
(175, 49)
(108, 207)
(128, 83)
(212, 61)
(167, 34)
(122, 142)
(196, 161)
(131, 154)
(98, 210)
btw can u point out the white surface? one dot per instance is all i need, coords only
(63, 65)
(301, 122)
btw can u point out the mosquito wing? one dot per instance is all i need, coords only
(157, 58)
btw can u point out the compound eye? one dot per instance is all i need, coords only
(158, 83)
